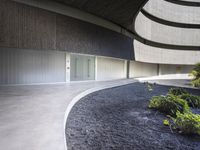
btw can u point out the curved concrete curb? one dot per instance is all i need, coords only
(83, 94)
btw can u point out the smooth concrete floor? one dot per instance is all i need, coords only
(32, 116)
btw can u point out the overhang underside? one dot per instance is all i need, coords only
(125, 14)
(121, 12)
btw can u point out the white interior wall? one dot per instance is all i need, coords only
(139, 69)
(31, 66)
(174, 69)
(110, 68)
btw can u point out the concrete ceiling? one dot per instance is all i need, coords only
(124, 13)
(120, 12)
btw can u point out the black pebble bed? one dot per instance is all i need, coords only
(119, 119)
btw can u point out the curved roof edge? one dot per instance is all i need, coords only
(185, 3)
(169, 23)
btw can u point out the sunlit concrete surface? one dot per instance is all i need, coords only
(173, 12)
(150, 54)
(179, 80)
(162, 33)
(32, 117)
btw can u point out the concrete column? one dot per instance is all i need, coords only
(68, 67)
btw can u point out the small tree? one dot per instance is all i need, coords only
(196, 74)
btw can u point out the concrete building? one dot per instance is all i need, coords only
(60, 41)
(68, 41)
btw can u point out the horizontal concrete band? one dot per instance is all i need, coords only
(169, 23)
(165, 46)
(151, 54)
(145, 28)
(173, 12)
(185, 3)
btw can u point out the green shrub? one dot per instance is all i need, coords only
(196, 82)
(196, 74)
(166, 122)
(176, 106)
(177, 91)
(169, 104)
(187, 123)
(192, 100)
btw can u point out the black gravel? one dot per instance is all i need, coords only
(118, 119)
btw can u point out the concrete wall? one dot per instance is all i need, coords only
(27, 67)
(161, 33)
(27, 27)
(110, 68)
(149, 54)
(139, 69)
(174, 69)
(44, 37)
(173, 12)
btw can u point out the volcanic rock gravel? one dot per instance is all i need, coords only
(119, 119)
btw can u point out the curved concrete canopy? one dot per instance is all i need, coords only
(121, 12)
(157, 32)
(173, 12)
(194, 3)
(169, 23)
(149, 54)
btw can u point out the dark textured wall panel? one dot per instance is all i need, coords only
(37, 28)
(81, 37)
(22, 26)
(28, 27)
(9, 28)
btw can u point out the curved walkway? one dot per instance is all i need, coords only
(31, 117)
(118, 119)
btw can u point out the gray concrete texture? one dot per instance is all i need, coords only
(161, 33)
(173, 12)
(149, 54)
(32, 117)
(31, 66)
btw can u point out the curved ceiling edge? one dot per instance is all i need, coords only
(169, 23)
(157, 44)
(185, 3)
(149, 54)
(165, 46)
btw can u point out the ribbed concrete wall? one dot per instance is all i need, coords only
(173, 12)
(43, 37)
(175, 69)
(149, 54)
(139, 69)
(27, 27)
(110, 68)
(27, 67)
(157, 32)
